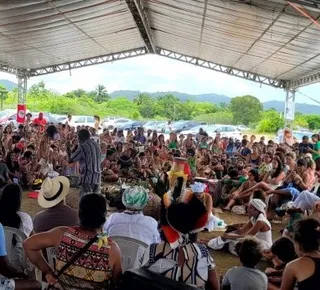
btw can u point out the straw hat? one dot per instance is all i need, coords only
(53, 191)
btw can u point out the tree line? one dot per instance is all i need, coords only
(244, 110)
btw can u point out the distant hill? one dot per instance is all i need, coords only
(211, 98)
(216, 99)
(9, 85)
(301, 108)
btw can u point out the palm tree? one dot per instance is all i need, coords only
(101, 94)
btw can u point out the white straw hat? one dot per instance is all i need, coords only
(53, 191)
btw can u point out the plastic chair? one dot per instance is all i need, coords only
(51, 257)
(20, 237)
(131, 251)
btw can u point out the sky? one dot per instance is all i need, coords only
(153, 73)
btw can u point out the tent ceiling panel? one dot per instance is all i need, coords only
(54, 32)
(267, 37)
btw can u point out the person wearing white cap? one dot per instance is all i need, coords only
(51, 197)
(257, 226)
(198, 189)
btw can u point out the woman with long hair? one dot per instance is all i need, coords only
(13, 166)
(99, 267)
(272, 179)
(304, 271)
(11, 216)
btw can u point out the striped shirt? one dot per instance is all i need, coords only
(89, 156)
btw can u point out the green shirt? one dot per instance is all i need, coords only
(315, 156)
(173, 145)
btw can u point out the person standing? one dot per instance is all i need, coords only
(88, 154)
(40, 122)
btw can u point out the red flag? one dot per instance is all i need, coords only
(21, 113)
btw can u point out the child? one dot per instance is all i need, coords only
(283, 252)
(246, 277)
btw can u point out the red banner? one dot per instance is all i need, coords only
(21, 113)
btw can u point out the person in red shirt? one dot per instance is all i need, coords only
(40, 122)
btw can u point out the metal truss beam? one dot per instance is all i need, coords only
(87, 62)
(304, 81)
(140, 17)
(224, 69)
(10, 70)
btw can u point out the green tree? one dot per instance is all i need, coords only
(167, 106)
(101, 94)
(3, 94)
(216, 118)
(271, 122)
(246, 110)
(313, 121)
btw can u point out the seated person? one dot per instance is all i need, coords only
(296, 182)
(109, 167)
(4, 172)
(132, 222)
(99, 266)
(198, 190)
(51, 198)
(7, 272)
(304, 272)
(283, 252)
(257, 226)
(179, 257)
(246, 277)
(238, 196)
(272, 180)
(227, 185)
(11, 216)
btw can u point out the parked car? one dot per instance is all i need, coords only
(82, 121)
(118, 123)
(297, 136)
(12, 119)
(195, 130)
(108, 122)
(243, 128)
(134, 125)
(225, 131)
(179, 126)
(160, 126)
(150, 125)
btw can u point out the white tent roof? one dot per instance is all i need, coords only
(255, 39)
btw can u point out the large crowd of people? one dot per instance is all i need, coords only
(186, 177)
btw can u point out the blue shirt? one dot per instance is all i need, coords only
(3, 251)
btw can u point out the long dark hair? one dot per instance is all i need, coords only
(10, 203)
(255, 174)
(279, 169)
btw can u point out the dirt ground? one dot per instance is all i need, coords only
(223, 260)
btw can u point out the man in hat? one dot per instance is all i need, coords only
(132, 222)
(51, 197)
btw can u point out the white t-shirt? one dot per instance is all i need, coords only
(133, 225)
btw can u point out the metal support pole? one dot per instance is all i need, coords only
(22, 88)
(290, 108)
(22, 94)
